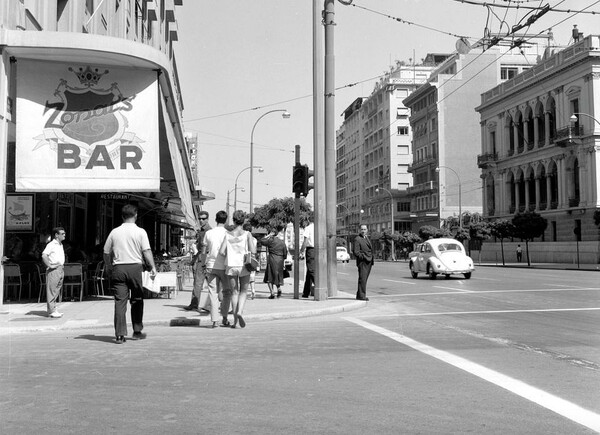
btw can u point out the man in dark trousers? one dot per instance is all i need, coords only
(308, 249)
(363, 251)
(196, 264)
(125, 250)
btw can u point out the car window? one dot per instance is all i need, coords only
(449, 247)
(427, 248)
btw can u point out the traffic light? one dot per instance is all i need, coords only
(300, 180)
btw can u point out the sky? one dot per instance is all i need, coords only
(239, 59)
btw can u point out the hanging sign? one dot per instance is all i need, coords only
(86, 128)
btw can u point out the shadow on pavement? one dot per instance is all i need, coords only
(184, 321)
(92, 337)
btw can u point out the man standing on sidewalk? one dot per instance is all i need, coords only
(53, 257)
(308, 247)
(363, 251)
(197, 268)
(126, 249)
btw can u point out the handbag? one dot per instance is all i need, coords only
(250, 263)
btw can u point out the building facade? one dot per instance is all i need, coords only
(445, 140)
(90, 119)
(373, 155)
(539, 140)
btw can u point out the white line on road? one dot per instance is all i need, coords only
(399, 282)
(475, 292)
(549, 401)
(453, 288)
(445, 313)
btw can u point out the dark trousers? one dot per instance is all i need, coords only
(127, 278)
(309, 281)
(364, 270)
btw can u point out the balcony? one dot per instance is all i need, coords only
(487, 160)
(429, 185)
(553, 205)
(574, 201)
(543, 205)
(568, 136)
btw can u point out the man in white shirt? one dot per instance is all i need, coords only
(53, 257)
(125, 250)
(213, 264)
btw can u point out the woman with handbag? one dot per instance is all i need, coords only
(275, 260)
(238, 248)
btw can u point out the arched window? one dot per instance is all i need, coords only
(543, 188)
(541, 122)
(530, 129)
(511, 135)
(552, 118)
(553, 180)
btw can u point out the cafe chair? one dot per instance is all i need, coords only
(73, 279)
(40, 278)
(99, 279)
(12, 280)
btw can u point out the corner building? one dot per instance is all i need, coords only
(90, 119)
(539, 152)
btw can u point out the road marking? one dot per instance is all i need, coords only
(475, 292)
(549, 401)
(445, 313)
(455, 289)
(399, 282)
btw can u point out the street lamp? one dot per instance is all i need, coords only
(285, 115)
(574, 118)
(260, 169)
(460, 224)
(392, 210)
(228, 203)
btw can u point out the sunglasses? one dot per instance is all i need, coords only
(203, 218)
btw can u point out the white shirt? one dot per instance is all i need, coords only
(127, 243)
(213, 239)
(55, 253)
(309, 236)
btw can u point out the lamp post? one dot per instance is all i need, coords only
(285, 115)
(228, 202)
(460, 224)
(235, 188)
(574, 118)
(392, 210)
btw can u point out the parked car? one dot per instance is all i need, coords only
(441, 256)
(342, 254)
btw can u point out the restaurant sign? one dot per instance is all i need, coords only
(86, 128)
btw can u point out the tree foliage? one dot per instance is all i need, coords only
(280, 212)
(528, 225)
(502, 229)
(427, 232)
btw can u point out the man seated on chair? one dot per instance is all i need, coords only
(53, 257)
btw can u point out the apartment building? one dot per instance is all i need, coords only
(445, 126)
(373, 154)
(539, 137)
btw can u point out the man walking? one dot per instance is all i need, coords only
(519, 253)
(213, 264)
(53, 257)
(126, 249)
(363, 252)
(198, 269)
(308, 248)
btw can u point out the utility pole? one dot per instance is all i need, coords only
(319, 158)
(330, 160)
(297, 234)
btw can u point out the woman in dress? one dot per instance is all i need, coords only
(277, 253)
(236, 245)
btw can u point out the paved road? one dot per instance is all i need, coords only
(489, 355)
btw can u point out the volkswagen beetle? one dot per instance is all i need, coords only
(441, 257)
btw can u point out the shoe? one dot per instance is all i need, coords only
(278, 293)
(138, 335)
(120, 339)
(55, 314)
(190, 308)
(272, 297)
(214, 325)
(362, 299)
(225, 323)
(241, 321)
(252, 296)
(304, 297)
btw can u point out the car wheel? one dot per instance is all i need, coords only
(447, 276)
(467, 275)
(430, 272)
(413, 273)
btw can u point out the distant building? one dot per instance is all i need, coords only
(540, 132)
(373, 153)
(446, 131)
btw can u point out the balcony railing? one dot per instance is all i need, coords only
(553, 205)
(574, 201)
(512, 208)
(543, 205)
(429, 185)
(485, 160)
(564, 136)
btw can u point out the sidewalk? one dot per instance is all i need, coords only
(95, 313)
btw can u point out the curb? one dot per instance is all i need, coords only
(73, 325)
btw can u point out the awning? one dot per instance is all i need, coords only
(181, 188)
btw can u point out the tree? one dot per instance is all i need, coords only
(427, 232)
(280, 212)
(479, 231)
(527, 226)
(407, 241)
(502, 229)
